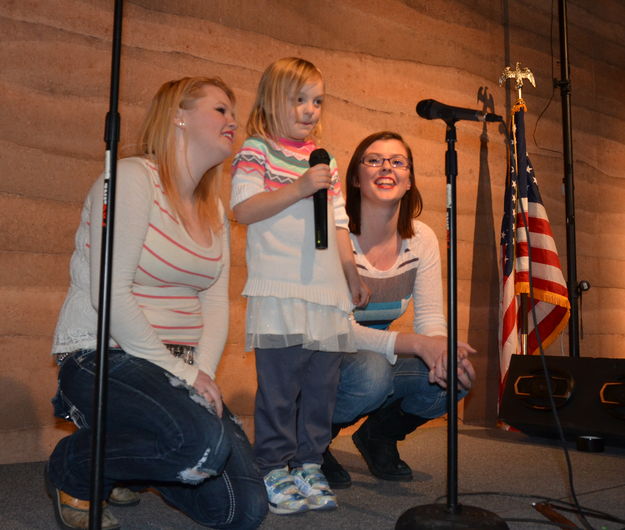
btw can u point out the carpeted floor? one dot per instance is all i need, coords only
(502, 472)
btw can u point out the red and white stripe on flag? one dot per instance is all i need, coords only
(550, 295)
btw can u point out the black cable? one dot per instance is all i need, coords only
(557, 503)
(599, 490)
(592, 513)
(540, 521)
(552, 403)
(581, 320)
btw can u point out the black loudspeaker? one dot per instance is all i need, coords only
(589, 395)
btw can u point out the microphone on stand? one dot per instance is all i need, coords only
(320, 201)
(431, 109)
(452, 514)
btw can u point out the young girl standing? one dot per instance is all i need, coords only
(298, 299)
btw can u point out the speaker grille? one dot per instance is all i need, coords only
(533, 390)
(589, 394)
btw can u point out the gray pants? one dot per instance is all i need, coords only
(294, 405)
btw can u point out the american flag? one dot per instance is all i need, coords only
(550, 295)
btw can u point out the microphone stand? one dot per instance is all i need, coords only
(451, 515)
(111, 137)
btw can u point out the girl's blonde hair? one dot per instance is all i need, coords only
(280, 81)
(157, 139)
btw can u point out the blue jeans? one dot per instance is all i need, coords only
(368, 382)
(157, 435)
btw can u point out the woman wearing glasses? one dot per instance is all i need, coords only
(398, 258)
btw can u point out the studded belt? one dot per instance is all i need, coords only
(183, 351)
(60, 357)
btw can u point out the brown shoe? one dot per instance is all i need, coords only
(123, 497)
(72, 513)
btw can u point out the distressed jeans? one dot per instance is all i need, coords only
(159, 433)
(368, 382)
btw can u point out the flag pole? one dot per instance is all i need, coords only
(518, 74)
(524, 322)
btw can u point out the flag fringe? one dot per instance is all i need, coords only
(543, 296)
(519, 105)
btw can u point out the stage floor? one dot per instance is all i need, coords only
(502, 472)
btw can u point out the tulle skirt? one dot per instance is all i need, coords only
(283, 322)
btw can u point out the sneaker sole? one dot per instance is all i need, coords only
(323, 507)
(285, 511)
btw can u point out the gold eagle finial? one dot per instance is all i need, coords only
(518, 74)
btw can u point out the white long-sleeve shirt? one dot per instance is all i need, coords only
(166, 288)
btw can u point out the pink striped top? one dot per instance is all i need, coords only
(166, 287)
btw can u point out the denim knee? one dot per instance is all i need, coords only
(366, 381)
(252, 506)
(206, 449)
(203, 440)
(236, 499)
(255, 513)
(432, 404)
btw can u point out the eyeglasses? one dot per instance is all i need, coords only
(396, 161)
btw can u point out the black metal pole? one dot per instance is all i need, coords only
(451, 515)
(451, 172)
(569, 187)
(111, 137)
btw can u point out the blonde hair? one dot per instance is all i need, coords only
(157, 141)
(280, 81)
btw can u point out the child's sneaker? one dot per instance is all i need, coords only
(284, 496)
(313, 485)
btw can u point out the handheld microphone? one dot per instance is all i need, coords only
(320, 201)
(431, 109)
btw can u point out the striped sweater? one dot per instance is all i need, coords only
(416, 276)
(165, 288)
(281, 257)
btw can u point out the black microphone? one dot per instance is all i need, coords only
(320, 201)
(431, 109)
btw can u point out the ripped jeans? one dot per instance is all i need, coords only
(157, 436)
